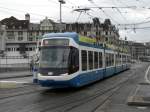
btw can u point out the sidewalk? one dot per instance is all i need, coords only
(14, 74)
(141, 96)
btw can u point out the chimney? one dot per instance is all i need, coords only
(27, 17)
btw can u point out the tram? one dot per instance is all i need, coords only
(68, 60)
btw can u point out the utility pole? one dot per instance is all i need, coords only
(61, 2)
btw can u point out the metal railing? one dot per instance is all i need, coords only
(6, 66)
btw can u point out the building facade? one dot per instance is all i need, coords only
(137, 50)
(103, 32)
(21, 35)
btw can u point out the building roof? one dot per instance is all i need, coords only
(14, 23)
(48, 20)
(34, 27)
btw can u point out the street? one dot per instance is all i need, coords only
(108, 95)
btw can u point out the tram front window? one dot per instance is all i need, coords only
(58, 60)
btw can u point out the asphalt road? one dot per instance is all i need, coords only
(109, 95)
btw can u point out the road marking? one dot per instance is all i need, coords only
(146, 75)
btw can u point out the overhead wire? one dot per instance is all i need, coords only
(134, 24)
(118, 10)
(78, 16)
(108, 15)
(121, 14)
(92, 2)
(16, 10)
(101, 8)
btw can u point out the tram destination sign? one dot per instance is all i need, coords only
(55, 42)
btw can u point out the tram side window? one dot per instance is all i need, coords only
(73, 60)
(107, 59)
(112, 59)
(116, 62)
(90, 59)
(95, 60)
(120, 59)
(84, 59)
(100, 60)
(117, 59)
(126, 59)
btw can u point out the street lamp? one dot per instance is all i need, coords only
(61, 2)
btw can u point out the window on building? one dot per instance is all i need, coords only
(8, 49)
(30, 48)
(20, 33)
(30, 34)
(37, 33)
(85, 33)
(100, 60)
(33, 48)
(10, 35)
(96, 33)
(95, 60)
(84, 59)
(106, 33)
(17, 49)
(99, 33)
(30, 38)
(26, 49)
(20, 27)
(20, 38)
(90, 59)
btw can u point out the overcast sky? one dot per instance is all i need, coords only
(39, 9)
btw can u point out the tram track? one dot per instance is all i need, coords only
(27, 89)
(81, 102)
(63, 101)
(99, 93)
(49, 104)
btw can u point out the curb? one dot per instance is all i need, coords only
(137, 101)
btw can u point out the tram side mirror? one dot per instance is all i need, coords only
(35, 58)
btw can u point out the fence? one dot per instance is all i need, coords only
(14, 63)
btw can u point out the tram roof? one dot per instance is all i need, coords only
(75, 36)
(72, 35)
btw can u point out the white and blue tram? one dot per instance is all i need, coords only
(65, 61)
